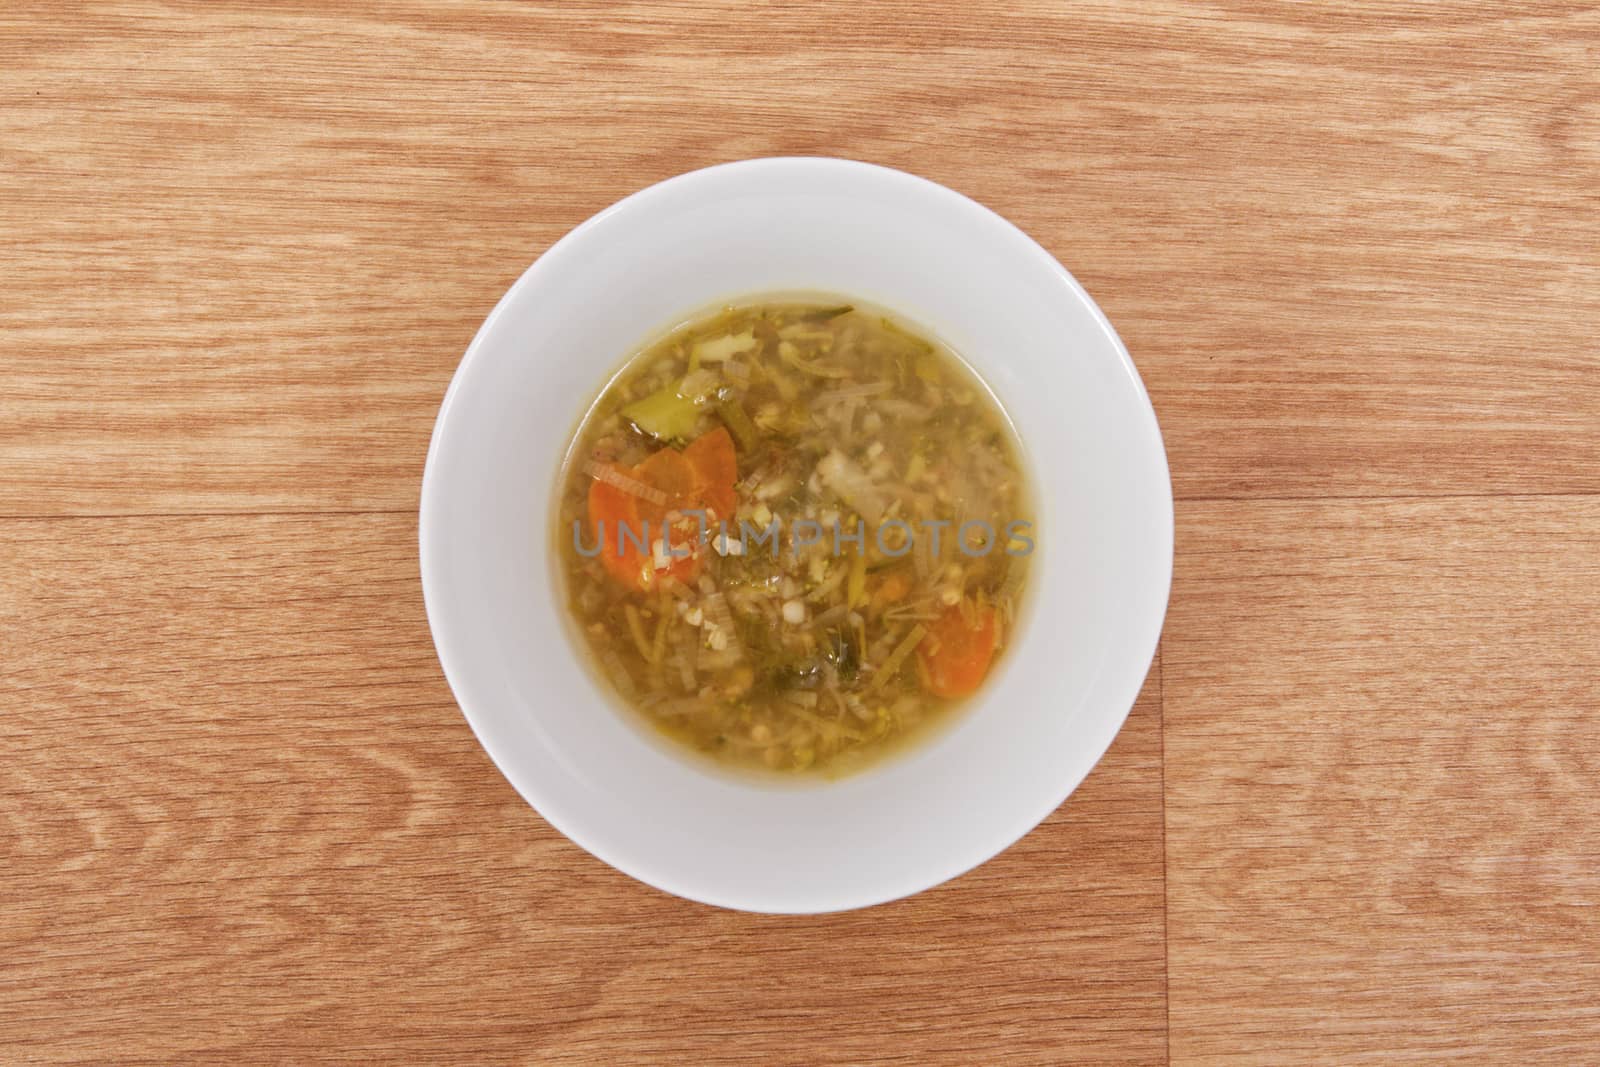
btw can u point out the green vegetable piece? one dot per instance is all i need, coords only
(856, 588)
(664, 414)
(828, 313)
(842, 652)
(738, 423)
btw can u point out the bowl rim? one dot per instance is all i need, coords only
(430, 513)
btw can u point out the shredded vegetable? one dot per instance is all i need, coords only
(746, 539)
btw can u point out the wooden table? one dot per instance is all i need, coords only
(1355, 251)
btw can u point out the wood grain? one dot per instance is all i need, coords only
(1382, 743)
(243, 818)
(1353, 247)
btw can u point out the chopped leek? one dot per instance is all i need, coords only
(722, 348)
(891, 666)
(665, 413)
(738, 423)
(830, 313)
(855, 591)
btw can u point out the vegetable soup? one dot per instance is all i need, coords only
(794, 535)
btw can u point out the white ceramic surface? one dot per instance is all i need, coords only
(1102, 570)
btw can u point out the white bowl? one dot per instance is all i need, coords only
(1099, 583)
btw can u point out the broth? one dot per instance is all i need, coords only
(794, 534)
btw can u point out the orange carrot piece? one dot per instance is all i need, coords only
(609, 510)
(956, 659)
(716, 468)
(701, 476)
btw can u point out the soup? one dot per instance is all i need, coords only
(794, 535)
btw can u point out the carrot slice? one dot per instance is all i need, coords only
(893, 588)
(610, 509)
(701, 476)
(716, 469)
(668, 471)
(962, 652)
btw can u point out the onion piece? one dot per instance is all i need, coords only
(891, 665)
(844, 476)
(852, 392)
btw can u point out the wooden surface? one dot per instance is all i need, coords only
(1355, 251)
